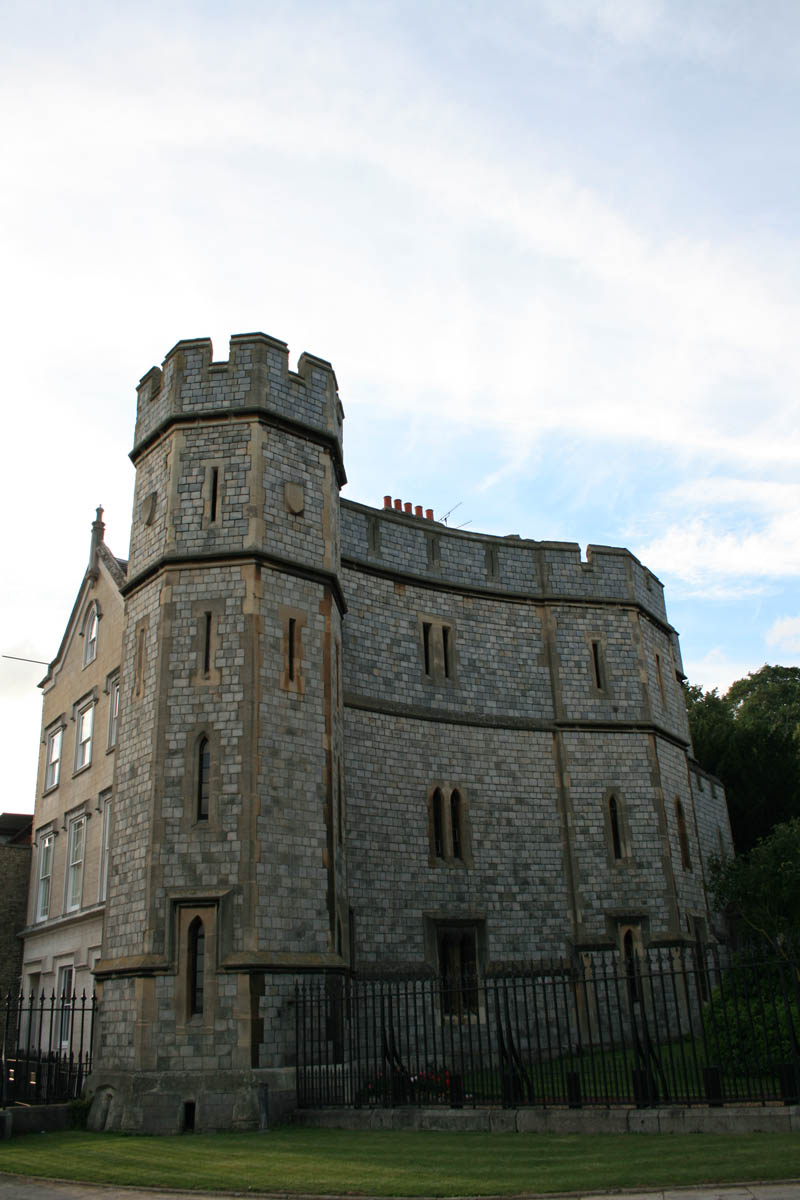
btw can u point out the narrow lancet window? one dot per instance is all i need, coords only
(597, 666)
(207, 646)
(438, 824)
(138, 671)
(291, 648)
(683, 837)
(212, 507)
(203, 780)
(197, 966)
(446, 650)
(455, 823)
(616, 840)
(340, 803)
(426, 646)
(660, 680)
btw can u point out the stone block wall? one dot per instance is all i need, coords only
(15, 865)
(517, 882)
(347, 666)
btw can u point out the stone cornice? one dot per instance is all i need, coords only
(414, 712)
(538, 599)
(166, 562)
(264, 416)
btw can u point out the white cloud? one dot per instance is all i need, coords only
(624, 20)
(391, 201)
(716, 669)
(784, 634)
(726, 534)
(615, 331)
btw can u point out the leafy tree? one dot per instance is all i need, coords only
(711, 724)
(761, 889)
(750, 739)
(754, 1018)
(770, 695)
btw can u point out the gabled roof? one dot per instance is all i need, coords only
(117, 567)
(99, 556)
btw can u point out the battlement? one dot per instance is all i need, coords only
(255, 376)
(395, 540)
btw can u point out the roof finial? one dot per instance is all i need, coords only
(98, 530)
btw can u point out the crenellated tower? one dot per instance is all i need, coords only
(229, 866)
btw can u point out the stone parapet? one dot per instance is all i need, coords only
(255, 376)
(389, 542)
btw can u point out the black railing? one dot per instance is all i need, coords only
(680, 1025)
(46, 1048)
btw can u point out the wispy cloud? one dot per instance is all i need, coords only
(717, 669)
(509, 229)
(728, 535)
(784, 635)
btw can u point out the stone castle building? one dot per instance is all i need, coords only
(352, 738)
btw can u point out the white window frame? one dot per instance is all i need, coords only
(113, 711)
(106, 801)
(44, 882)
(84, 733)
(76, 858)
(64, 990)
(91, 628)
(54, 747)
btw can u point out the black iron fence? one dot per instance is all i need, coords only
(672, 1026)
(46, 1048)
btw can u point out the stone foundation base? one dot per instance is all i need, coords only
(191, 1101)
(746, 1118)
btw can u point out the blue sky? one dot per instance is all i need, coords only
(551, 249)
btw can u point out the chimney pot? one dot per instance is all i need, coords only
(387, 501)
(398, 505)
(428, 514)
(417, 510)
(407, 507)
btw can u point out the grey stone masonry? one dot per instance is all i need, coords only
(356, 740)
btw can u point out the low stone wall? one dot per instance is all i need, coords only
(171, 1102)
(39, 1118)
(732, 1119)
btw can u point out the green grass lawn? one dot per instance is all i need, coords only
(404, 1163)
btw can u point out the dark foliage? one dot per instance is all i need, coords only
(750, 739)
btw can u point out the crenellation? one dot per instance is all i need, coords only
(538, 570)
(255, 377)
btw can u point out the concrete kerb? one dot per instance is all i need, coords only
(732, 1119)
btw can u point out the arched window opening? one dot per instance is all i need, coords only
(90, 629)
(438, 824)
(631, 968)
(616, 839)
(203, 778)
(197, 966)
(455, 823)
(683, 837)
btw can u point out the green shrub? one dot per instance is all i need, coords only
(752, 1021)
(80, 1112)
